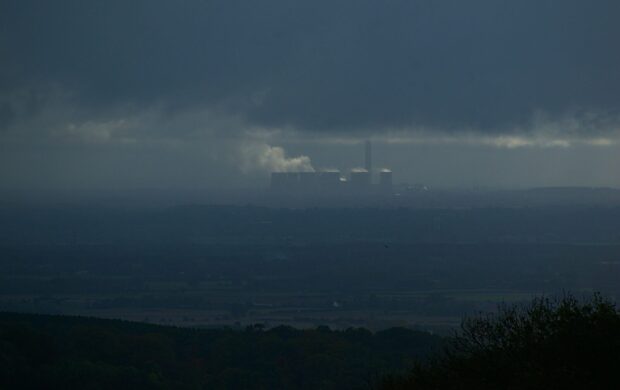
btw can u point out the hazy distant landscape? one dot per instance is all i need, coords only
(373, 267)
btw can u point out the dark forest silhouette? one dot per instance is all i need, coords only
(564, 343)
(549, 344)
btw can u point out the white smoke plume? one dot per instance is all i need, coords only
(263, 157)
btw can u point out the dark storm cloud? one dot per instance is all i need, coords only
(330, 65)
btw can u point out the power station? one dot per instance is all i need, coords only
(360, 180)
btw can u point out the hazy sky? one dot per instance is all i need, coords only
(216, 93)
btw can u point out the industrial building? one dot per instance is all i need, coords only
(360, 180)
(385, 179)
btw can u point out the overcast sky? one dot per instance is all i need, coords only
(216, 93)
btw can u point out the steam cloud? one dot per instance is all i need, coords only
(273, 159)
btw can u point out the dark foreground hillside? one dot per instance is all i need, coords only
(59, 352)
(548, 344)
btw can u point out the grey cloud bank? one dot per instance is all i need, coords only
(180, 92)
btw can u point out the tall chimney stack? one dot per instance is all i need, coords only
(368, 161)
